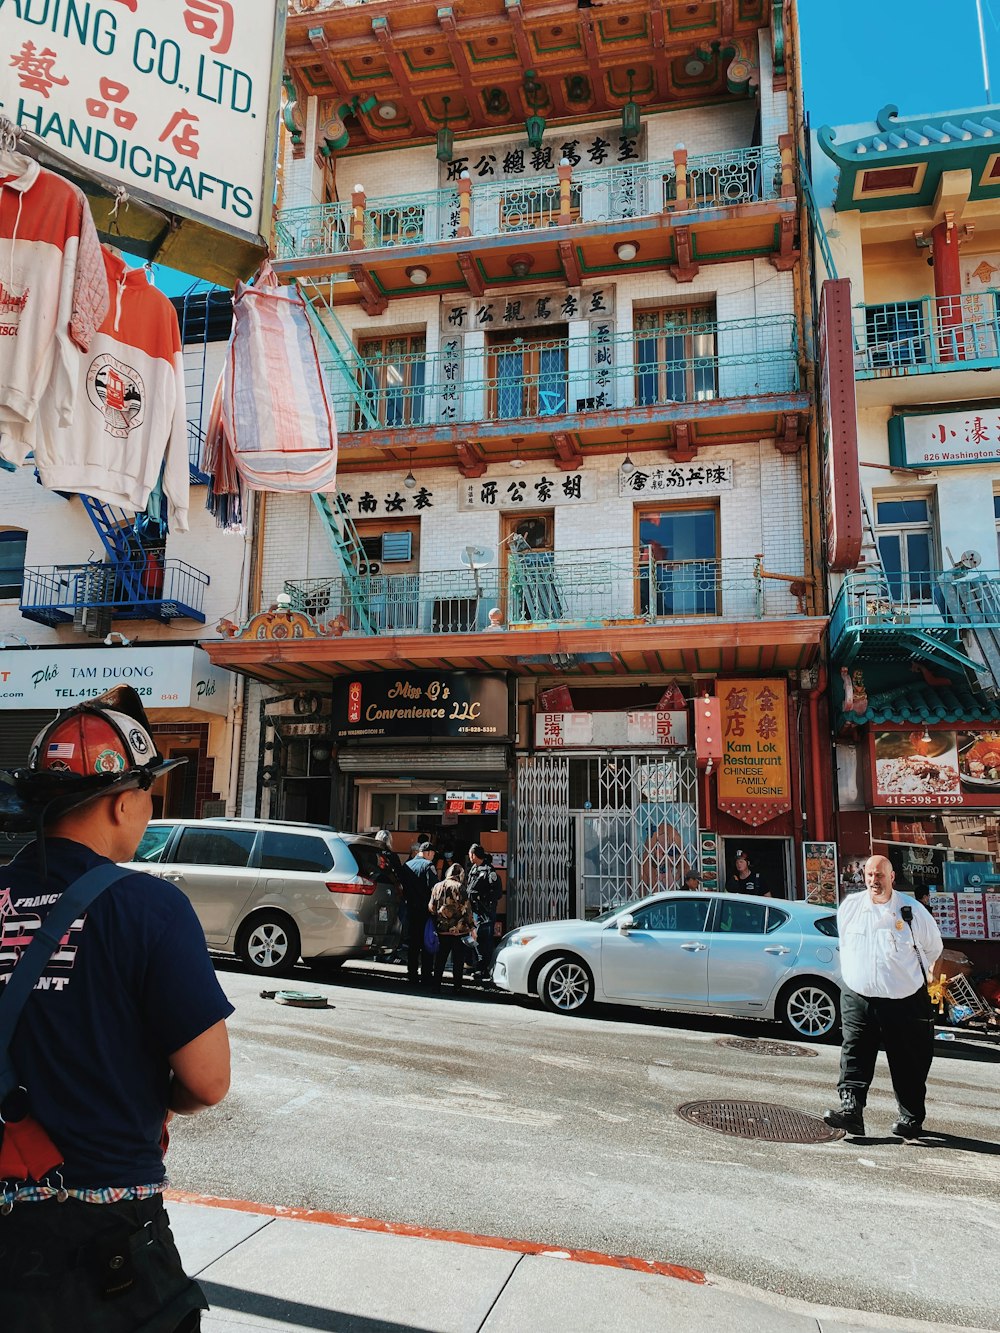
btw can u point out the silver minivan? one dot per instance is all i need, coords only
(273, 892)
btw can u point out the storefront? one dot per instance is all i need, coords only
(186, 698)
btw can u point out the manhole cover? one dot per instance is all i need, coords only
(759, 1120)
(757, 1047)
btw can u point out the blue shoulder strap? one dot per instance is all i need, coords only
(21, 982)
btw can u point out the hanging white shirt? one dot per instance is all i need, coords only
(877, 957)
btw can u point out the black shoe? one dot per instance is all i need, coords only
(849, 1118)
(907, 1128)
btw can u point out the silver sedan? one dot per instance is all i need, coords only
(718, 953)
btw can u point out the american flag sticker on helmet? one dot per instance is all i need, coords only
(60, 750)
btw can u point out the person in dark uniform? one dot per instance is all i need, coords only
(745, 880)
(419, 879)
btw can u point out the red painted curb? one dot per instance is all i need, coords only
(457, 1237)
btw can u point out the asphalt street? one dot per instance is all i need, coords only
(477, 1114)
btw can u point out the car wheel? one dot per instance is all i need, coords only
(269, 943)
(566, 986)
(809, 1009)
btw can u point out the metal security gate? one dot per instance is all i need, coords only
(593, 832)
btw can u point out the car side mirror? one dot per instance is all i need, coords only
(626, 923)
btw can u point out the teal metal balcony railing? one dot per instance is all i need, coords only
(542, 589)
(514, 378)
(514, 204)
(928, 334)
(57, 594)
(933, 608)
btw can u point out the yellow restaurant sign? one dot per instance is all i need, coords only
(754, 782)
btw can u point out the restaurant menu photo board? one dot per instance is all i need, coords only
(935, 767)
(820, 864)
(386, 706)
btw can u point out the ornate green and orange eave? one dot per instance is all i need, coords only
(900, 166)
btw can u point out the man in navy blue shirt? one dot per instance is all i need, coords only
(419, 878)
(125, 1027)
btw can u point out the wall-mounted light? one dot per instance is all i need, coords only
(626, 251)
(627, 466)
(418, 275)
(445, 150)
(631, 116)
(520, 265)
(409, 481)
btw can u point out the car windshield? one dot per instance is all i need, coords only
(612, 912)
(153, 842)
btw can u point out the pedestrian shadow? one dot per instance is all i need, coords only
(929, 1139)
(966, 1050)
(296, 1314)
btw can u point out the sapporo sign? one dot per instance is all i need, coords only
(436, 705)
(754, 783)
(174, 99)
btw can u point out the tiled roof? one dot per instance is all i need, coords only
(920, 703)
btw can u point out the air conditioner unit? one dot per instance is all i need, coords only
(96, 584)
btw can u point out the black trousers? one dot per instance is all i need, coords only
(450, 944)
(418, 960)
(904, 1029)
(94, 1268)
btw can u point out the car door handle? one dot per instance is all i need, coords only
(173, 876)
(776, 948)
(695, 948)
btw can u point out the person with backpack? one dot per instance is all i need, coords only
(419, 879)
(484, 893)
(452, 915)
(118, 1023)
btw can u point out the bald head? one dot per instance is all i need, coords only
(879, 878)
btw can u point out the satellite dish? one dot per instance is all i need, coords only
(970, 560)
(478, 556)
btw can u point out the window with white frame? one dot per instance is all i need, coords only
(905, 531)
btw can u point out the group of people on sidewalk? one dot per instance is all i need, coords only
(449, 918)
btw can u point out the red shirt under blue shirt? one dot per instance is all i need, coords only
(131, 984)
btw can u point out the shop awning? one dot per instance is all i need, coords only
(606, 650)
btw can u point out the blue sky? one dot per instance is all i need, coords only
(921, 55)
(857, 55)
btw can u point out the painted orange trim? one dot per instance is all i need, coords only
(352, 1223)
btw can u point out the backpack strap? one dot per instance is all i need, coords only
(74, 899)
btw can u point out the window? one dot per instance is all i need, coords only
(215, 847)
(675, 355)
(12, 545)
(905, 541)
(295, 851)
(740, 918)
(894, 334)
(154, 840)
(393, 378)
(526, 379)
(389, 586)
(776, 918)
(688, 914)
(678, 565)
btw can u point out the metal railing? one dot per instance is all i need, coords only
(929, 333)
(516, 204)
(932, 599)
(129, 591)
(544, 589)
(516, 378)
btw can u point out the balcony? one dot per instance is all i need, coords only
(927, 336)
(574, 384)
(679, 212)
(951, 617)
(93, 594)
(542, 590)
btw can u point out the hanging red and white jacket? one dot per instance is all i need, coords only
(131, 411)
(53, 296)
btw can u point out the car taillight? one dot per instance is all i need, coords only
(359, 885)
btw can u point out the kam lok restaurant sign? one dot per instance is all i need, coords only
(423, 705)
(944, 439)
(754, 782)
(174, 99)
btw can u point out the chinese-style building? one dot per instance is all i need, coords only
(913, 225)
(552, 256)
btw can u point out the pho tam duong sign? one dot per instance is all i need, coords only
(167, 677)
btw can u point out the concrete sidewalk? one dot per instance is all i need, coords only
(284, 1269)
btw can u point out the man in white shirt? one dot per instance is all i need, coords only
(889, 948)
